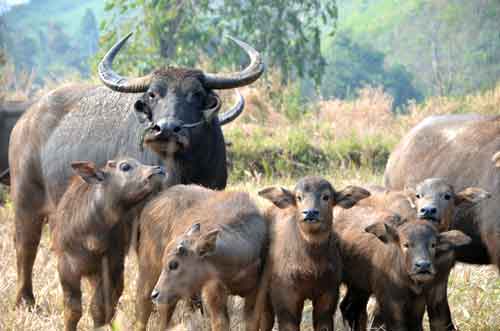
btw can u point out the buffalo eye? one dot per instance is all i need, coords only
(195, 96)
(173, 265)
(141, 107)
(418, 196)
(325, 197)
(447, 196)
(406, 245)
(152, 95)
(433, 245)
(299, 198)
(125, 167)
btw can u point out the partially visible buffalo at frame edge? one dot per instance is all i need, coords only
(9, 114)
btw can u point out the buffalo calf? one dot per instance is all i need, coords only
(304, 260)
(91, 232)
(399, 263)
(194, 240)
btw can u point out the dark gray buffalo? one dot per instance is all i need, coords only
(169, 117)
(464, 150)
(10, 111)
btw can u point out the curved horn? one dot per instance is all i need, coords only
(250, 74)
(116, 82)
(230, 115)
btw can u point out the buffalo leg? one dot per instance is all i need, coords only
(249, 309)
(353, 308)
(215, 295)
(27, 238)
(267, 319)
(438, 308)
(143, 303)
(98, 304)
(108, 287)
(416, 316)
(323, 311)
(72, 294)
(288, 308)
(166, 312)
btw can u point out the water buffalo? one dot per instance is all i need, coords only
(90, 232)
(304, 260)
(462, 149)
(404, 263)
(194, 240)
(175, 122)
(9, 114)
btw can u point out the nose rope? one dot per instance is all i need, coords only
(151, 125)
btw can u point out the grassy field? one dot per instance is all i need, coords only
(275, 143)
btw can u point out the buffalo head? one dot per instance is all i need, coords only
(178, 103)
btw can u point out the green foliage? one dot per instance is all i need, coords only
(53, 37)
(289, 33)
(353, 66)
(296, 152)
(451, 47)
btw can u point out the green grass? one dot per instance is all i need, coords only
(302, 149)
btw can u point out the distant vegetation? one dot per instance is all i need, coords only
(412, 49)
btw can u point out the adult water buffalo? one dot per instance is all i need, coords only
(464, 150)
(174, 122)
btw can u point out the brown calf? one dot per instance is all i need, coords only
(304, 260)
(194, 240)
(401, 263)
(91, 232)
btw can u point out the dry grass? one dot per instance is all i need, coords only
(474, 291)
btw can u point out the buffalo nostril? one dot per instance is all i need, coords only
(156, 128)
(311, 213)
(433, 210)
(423, 265)
(176, 129)
(155, 294)
(423, 210)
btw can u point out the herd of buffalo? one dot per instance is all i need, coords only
(141, 163)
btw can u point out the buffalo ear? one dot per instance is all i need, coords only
(496, 159)
(194, 229)
(451, 239)
(205, 246)
(412, 196)
(88, 171)
(471, 196)
(350, 196)
(383, 231)
(280, 196)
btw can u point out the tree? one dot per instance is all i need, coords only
(89, 34)
(289, 33)
(352, 66)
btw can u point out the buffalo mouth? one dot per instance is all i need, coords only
(311, 220)
(166, 144)
(423, 276)
(429, 218)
